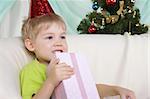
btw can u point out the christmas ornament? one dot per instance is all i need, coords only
(130, 11)
(103, 24)
(133, 1)
(110, 2)
(122, 15)
(95, 6)
(134, 14)
(114, 18)
(92, 28)
(40, 7)
(103, 21)
(137, 24)
(108, 19)
(102, 27)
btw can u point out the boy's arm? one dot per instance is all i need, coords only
(45, 92)
(107, 90)
(55, 74)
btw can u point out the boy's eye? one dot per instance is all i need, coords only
(49, 37)
(63, 37)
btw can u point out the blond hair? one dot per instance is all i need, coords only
(32, 26)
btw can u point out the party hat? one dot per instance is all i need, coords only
(39, 7)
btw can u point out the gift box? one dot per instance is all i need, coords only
(81, 85)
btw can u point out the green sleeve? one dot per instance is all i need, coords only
(31, 81)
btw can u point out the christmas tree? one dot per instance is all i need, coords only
(112, 17)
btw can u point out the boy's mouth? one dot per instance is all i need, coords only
(58, 51)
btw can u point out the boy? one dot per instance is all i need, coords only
(43, 36)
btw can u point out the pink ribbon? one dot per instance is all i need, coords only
(78, 76)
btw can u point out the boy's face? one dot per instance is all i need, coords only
(49, 41)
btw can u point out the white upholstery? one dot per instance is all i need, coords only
(114, 59)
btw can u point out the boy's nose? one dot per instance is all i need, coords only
(58, 43)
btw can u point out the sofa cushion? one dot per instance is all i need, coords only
(12, 57)
(114, 59)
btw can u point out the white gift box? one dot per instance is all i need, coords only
(81, 85)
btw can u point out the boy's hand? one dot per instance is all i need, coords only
(125, 93)
(57, 72)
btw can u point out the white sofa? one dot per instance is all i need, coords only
(114, 59)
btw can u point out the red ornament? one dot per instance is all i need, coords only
(40, 7)
(92, 29)
(110, 2)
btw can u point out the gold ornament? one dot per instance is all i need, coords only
(114, 18)
(108, 19)
(137, 24)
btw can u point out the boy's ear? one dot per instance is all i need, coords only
(29, 44)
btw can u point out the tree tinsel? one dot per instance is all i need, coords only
(110, 21)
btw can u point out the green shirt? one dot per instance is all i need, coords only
(32, 77)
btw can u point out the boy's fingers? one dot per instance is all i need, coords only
(63, 65)
(131, 97)
(127, 97)
(122, 97)
(70, 73)
(67, 75)
(68, 69)
(54, 61)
